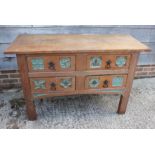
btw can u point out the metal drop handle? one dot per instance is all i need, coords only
(51, 65)
(108, 64)
(53, 86)
(105, 84)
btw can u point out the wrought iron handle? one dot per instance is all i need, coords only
(108, 64)
(51, 65)
(105, 83)
(53, 86)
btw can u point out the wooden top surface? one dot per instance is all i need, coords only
(30, 44)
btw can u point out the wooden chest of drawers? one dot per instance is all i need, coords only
(56, 65)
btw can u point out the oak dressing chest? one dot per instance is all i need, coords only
(56, 65)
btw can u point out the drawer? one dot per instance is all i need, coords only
(53, 84)
(100, 61)
(106, 81)
(51, 63)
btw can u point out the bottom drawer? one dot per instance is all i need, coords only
(46, 85)
(68, 85)
(106, 81)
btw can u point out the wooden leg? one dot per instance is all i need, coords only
(23, 68)
(123, 104)
(31, 110)
(125, 97)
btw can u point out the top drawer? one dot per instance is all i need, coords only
(51, 63)
(107, 61)
(95, 61)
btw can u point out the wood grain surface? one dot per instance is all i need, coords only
(30, 44)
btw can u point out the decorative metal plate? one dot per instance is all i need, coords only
(117, 81)
(94, 83)
(65, 83)
(65, 62)
(95, 62)
(121, 61)
(39, 84)
(37, 64)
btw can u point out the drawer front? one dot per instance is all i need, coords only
(100, 61)
(51, 63)
(53, 84)
(107, 81)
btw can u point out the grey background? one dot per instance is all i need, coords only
(144, 33)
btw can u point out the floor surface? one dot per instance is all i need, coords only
(84, 111)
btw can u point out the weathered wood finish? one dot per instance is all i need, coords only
(55, 60)
(23, 69)
(80, 49)
(82, 62)
(105, 57)
(125, 97)
(78, 73)
(35, 44)
(78, 92)
(56, 81)
(103, 78)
